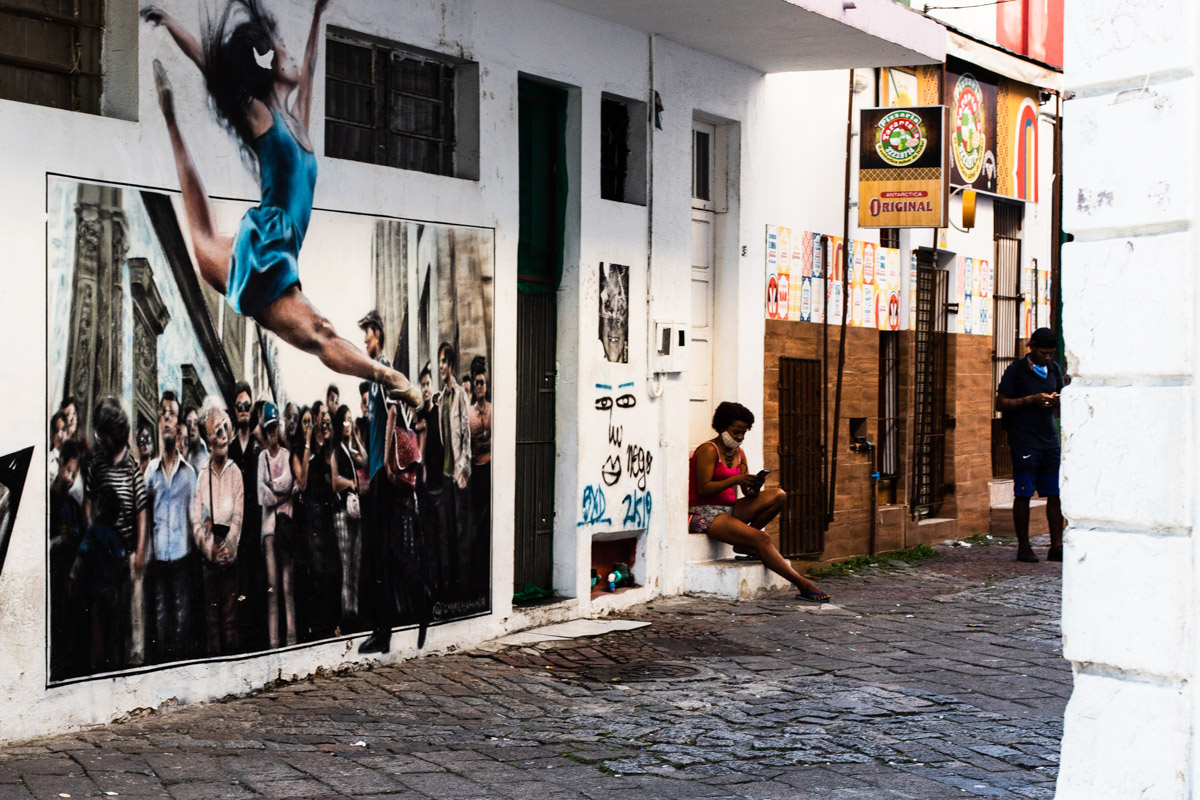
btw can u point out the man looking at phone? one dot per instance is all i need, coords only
(1028, 400)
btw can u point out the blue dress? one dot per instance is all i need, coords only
(266, 249)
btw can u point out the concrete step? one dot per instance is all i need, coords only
(730, 579)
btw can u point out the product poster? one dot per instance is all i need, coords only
(614, 312)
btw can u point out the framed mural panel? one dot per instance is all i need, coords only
(200, 495)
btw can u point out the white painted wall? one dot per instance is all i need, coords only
(529, 37)
(1129, 489)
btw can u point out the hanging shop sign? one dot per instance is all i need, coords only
(902, 176)
(993, 132)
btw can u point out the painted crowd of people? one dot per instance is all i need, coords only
(234, 528)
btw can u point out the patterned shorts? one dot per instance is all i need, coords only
(701, 517)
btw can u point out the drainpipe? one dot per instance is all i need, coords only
(846, 259)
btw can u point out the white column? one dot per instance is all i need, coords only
(1129, 442)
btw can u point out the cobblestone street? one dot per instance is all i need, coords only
(937, 681)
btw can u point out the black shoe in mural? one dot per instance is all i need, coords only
(376, 643)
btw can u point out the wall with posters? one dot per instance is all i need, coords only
(438, 256)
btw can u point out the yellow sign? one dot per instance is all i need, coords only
(902, 179)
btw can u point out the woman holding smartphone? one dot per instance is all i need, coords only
(718, 469)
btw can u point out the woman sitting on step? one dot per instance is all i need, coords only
(718, 468)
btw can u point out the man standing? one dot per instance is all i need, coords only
(1028, 399)
(251, 568)
(430, 483)
(455, 424)
(111, 471)
(377, 516)
(332, 401)
(171, 483)
(197, 447)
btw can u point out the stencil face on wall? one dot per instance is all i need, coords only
(614, 312)
(13, 468)
(131, 319)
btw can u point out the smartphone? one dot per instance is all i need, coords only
(762, 474)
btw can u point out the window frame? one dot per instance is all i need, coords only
(89, 102)
(456, 98)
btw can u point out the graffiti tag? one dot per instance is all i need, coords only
(637, 509)
(638, 461)
(593, 507)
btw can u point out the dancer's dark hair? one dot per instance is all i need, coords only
(232, 73)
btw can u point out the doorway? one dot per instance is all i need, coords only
(700, 366)
(542, 119)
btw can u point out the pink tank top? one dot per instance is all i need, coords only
(720, 472)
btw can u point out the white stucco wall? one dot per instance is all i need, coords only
(526, 37)
(1129, 457)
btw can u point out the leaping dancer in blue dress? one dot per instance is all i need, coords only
(250, 76)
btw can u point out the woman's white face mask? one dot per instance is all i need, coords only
(728, 440)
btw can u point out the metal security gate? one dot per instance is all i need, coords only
(929, 400)
(534, 479)
(802, 526)
(888, 464)
(1006, 344)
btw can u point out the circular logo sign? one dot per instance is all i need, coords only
(900, 138)
(969, 142)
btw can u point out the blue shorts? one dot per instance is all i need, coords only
(1035, 468)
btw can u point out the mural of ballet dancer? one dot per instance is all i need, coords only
(250, 78)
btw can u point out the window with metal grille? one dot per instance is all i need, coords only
(1006, 295)
(929, 395)
(889, 237)
(889, 404)
(392, 105)
(802, 526)
(614, 149)
(50, 53)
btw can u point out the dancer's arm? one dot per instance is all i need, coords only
(187, 43)
(304, 95)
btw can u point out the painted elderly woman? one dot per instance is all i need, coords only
(250, 78)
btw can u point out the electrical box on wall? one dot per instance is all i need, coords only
(669, 351)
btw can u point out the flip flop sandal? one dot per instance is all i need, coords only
(747, 557)
(813, 597)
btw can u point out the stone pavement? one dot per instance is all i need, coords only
(938, 681)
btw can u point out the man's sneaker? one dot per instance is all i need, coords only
(1027, 555)
(1054, 554)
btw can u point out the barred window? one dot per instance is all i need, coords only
(50, 52)
(889, 237)
(392, 105)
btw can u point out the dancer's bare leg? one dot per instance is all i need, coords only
(731, 530)
(213, 251)
(294, 319)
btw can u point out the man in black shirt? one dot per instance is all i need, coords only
(251, 566)
(1028, 399)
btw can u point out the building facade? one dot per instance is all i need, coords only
(526, 182)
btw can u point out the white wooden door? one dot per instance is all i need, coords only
(700, 367)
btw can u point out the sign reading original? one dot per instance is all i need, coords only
(902, 178)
